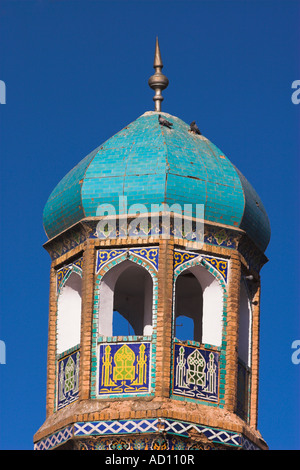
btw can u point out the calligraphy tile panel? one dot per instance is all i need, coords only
(124, 368)
(195, 373)
(68, 379)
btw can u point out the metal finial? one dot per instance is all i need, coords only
(158, 81)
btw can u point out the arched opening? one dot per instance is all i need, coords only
(199, 301)
(126, 297)
(188, 308)
(69, 314)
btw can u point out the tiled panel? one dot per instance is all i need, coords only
(68, 379)
(195, 373)
(124, 368)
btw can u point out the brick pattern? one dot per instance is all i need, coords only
(86, 319)
(51, 354)
(164, 318)
(232, 328)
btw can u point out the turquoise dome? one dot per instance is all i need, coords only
(151, 164)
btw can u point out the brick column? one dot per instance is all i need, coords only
(51, 354)
(232, 330)
(164, 318)
(255, 357)
(87, 299)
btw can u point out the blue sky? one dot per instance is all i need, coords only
(76, 73)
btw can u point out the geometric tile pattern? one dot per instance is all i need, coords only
(129, 427)
(55, 439)
(142, 442)
(115, 427)
(221, 265)
(154, 425)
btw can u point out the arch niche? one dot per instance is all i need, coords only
(199, 301)
(126, 299)
(69, 313)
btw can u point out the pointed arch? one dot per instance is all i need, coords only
(126, 274)
(68, 321)
(126, 289)
(211, 312)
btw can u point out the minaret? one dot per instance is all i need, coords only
(154, 309)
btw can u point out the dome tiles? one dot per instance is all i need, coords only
(151, 164)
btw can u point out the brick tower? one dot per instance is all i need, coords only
(156, 243)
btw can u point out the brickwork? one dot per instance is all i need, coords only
(86, 319)
(51, 362)
(164, 318)
(233, 304)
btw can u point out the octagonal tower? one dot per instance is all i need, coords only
(156, 243)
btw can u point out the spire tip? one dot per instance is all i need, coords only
(158, 81)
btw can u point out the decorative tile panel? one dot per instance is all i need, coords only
(145, 442)
(124, 368)
(65, 271)
(219, 264)
(68, 379)
(104, 256)
(195, 373)
(182, 428)
(149, 254)
(181, 257)
(54, 440)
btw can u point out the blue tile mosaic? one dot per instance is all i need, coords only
(219, 264)
(149, 254)
(153, 165)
